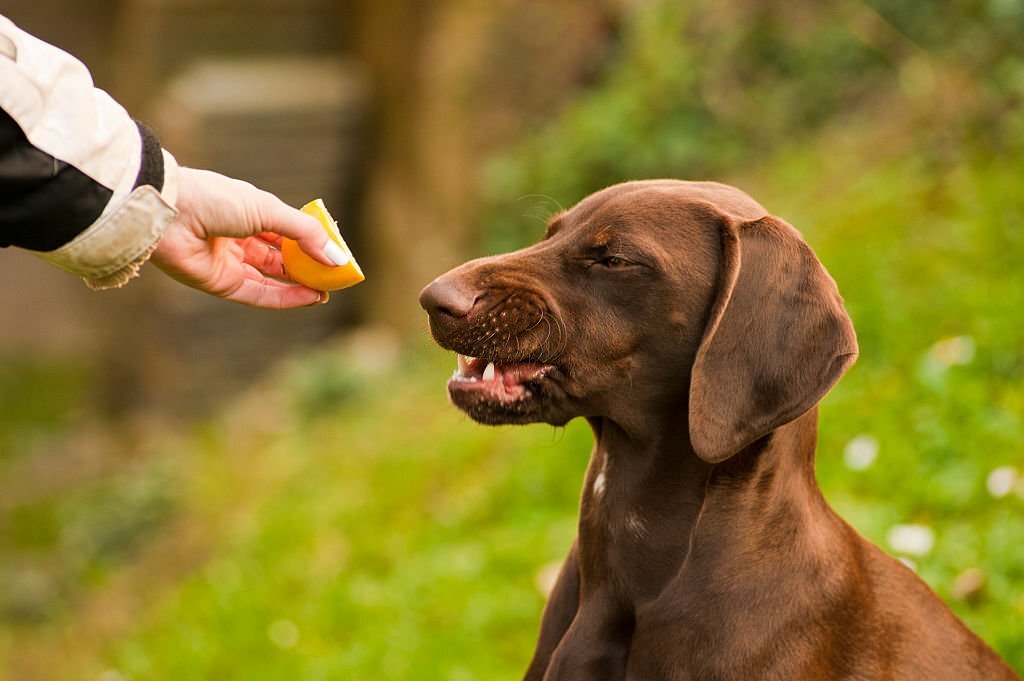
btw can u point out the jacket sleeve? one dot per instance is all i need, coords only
(81, 184)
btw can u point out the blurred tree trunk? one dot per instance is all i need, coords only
(453, 80)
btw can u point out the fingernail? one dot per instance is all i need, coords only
(324, 297)
(335, 254)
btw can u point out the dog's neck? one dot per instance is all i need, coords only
(652, 509)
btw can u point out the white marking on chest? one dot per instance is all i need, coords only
(636, 525)
(600, 479)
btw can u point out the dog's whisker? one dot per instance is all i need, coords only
(547, 325)
(543, 196)
(534, 325)
(563, 334)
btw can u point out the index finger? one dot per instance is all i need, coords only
(278, 217)
(271, 238)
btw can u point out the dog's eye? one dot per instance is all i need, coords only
(613, 262)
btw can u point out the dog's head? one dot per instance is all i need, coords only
(648, 300)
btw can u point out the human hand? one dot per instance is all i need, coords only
(226, 238)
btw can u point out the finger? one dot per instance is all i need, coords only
(250, 272)
(260, 293)
(271, 238)
(278, 217)
(263, 257)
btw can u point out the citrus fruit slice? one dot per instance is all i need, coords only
(308, 272)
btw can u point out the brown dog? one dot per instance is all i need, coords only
(696, 333)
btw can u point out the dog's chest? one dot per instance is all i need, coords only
(632, 538)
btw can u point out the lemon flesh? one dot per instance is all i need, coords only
(304, 270)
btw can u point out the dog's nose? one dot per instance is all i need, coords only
(447, 298)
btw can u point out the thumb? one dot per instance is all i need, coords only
(280, 218)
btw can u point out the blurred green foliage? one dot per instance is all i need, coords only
(357, 526)
(37, 397)
(706, 90)
(58, 536)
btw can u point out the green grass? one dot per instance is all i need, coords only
(392, 539)
(358, 527)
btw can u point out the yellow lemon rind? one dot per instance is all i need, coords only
(308, 272)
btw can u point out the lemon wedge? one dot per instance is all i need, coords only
(308, 272)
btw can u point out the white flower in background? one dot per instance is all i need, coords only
(111, 675)
(968, 584)
(546, 577)
(283, 633)
(860, 452)
(914, 540)
(1001, 481)
(952, 351)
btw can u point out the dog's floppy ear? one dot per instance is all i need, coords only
(777, 339)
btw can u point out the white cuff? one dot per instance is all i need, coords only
(110, 252)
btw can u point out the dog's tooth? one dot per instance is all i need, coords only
(489, 372)
(463, 364)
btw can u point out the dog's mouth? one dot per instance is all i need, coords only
(494, 390)
(502, 380)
